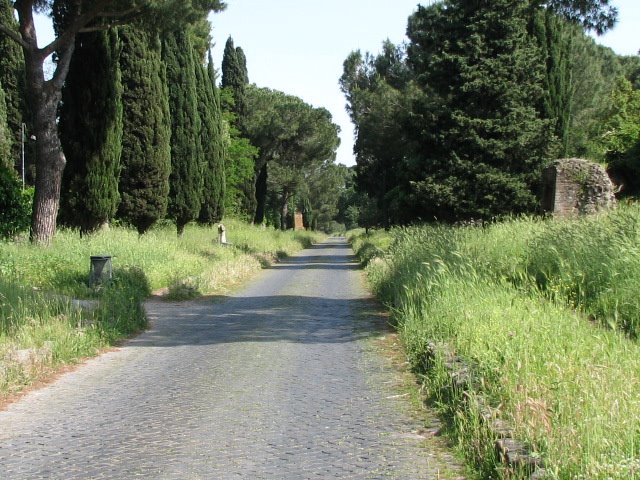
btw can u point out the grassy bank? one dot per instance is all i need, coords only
(43, 326)
(545, 315)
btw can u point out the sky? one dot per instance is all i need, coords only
(298, 46)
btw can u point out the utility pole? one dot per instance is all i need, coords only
(22, 152)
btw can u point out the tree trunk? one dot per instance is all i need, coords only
(284, 211)
(261, 194)
(44, 97)
(180, 228)
(50, 162)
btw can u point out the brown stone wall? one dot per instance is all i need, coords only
(298, 221)
(573, 186)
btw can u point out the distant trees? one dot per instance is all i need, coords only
(294, 138)
(320, 194)
(380, 91)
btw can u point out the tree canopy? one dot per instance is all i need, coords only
(74, 17)
(293, 139)
(459, 122)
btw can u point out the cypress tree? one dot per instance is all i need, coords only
(12, 80)
(235, 80)
(146, 152)
(554, 36)
(91, 132)
(186, 182)
(235, 77)
(213, 144)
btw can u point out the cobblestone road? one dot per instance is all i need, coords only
(277, 381)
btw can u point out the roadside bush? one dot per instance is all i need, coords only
(120, 310)
(15, 205)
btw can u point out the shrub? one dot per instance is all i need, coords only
(15, 205)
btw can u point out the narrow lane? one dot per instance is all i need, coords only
(273, 382)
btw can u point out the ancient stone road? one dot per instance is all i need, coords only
(277, 381)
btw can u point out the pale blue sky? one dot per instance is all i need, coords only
(298, 46)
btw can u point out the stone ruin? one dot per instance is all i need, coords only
(298, 221)
(572, 186)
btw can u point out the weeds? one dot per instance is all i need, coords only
(515, 300)
(41, 327)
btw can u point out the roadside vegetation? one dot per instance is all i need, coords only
(545, 315)
(43, 323)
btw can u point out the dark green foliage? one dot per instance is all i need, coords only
(241, 169)
(555, 38)
(596, 69)
(5, 136)
(12, 80)
(15, 205)
(461, 125)
(240, 197)
(185, 182)
(294, 138)
(620, 140)
(482, 142)
(596, 15)
(320, 193)
(235, 77)
(580, 77)
(631, 67)
(146, 153)
(380, 92)
(213, 145)
(91, 132)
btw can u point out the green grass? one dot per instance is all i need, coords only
(545, 313)
(41, 327)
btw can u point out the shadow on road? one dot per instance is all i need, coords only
(298, 319)
(271, 318)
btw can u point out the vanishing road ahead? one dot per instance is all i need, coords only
(278, 381)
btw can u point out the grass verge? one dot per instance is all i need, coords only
(541, 313)
(44, 327)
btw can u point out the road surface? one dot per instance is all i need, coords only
(278, 381)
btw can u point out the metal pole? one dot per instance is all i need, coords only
(22, 154)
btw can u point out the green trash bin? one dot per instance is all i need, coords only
(100, 270)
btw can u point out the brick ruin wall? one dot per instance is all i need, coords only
(572, 186)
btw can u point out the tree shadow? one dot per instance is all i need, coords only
(281, 318)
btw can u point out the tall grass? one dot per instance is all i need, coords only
(594, 264)
(41, 326)
(517, 300)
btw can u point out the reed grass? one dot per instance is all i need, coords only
(518, 301)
